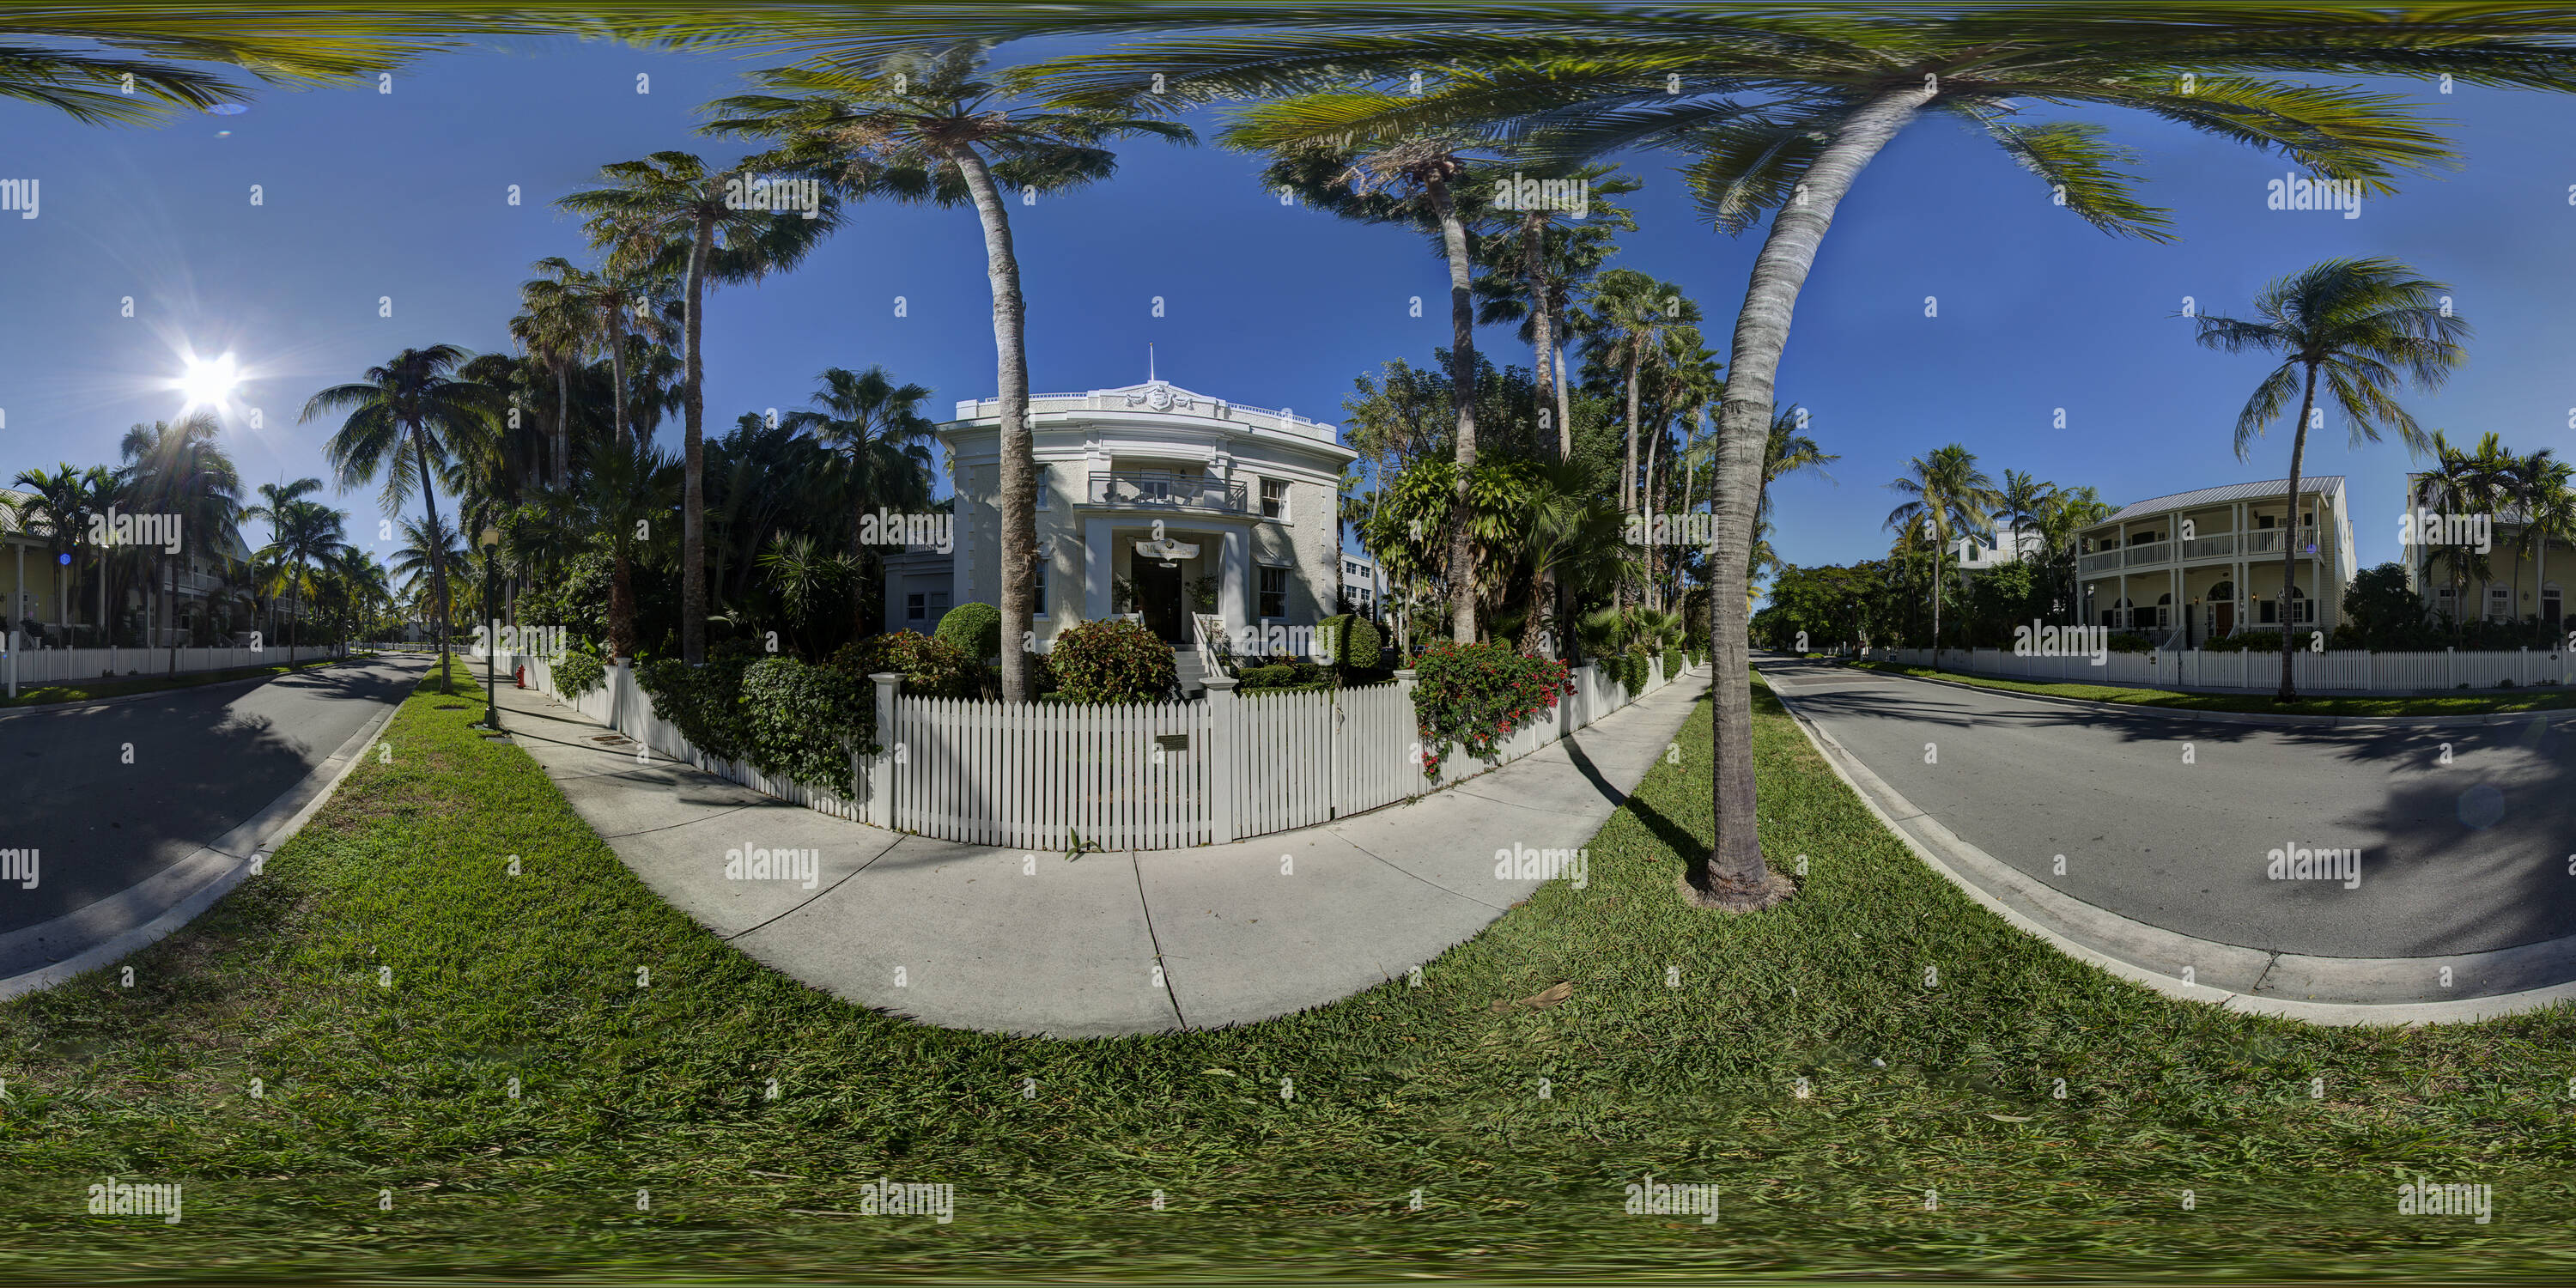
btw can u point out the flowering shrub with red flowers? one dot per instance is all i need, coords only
(1477, 694)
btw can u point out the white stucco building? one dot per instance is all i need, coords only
(1245, 498)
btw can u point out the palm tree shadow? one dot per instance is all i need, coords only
(1681, 840)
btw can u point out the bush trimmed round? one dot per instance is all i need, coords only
(974, 627)
(1113, 661)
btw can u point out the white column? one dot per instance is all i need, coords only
(877, 804)
(1234, 596)
(1099, 564)
(1223, 790)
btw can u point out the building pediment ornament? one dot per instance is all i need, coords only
(1160, 397)
(1167, 551)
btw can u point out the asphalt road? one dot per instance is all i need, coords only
(204, 761)
(2460, 857)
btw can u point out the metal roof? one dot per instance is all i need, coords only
(9, 499)
(2265, 490)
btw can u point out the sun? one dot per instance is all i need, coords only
(208, 382)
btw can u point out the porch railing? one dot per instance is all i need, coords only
(1168, 488)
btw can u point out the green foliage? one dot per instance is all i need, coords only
(799, 721)
(579, 672)
(930, 667)
(975, 628)
(1113, 661)
(2382, 612)
(2133, 642)
(1353, 643)
(1477, 694)
(703, 702)
(1297, 675)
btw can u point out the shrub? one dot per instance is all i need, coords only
(976, 628)
(1477, 694)
(1286, 676)
(579, 672)
(931, 668)
(702, 702)
(799, 721)
(1351, 641)
(2132, 642)
(1113, 661)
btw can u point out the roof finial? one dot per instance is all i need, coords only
(1149, 362)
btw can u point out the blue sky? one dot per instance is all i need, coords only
(403, 194)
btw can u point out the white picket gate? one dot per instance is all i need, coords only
(1154, 776)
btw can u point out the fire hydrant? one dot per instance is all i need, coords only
(519, 676)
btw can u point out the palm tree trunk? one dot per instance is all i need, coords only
(1544, 595)
(1734, 874)
(1654, 549)
(1462, 399)
(1018, 498)
(437, 561)
(693, 408)
(2290, 543)
(563, 428)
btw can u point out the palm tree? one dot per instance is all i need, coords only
(2548, 513)
(1557, 259)
(431, 555)
(1951, 497)
(1834, 90)
(1627, 319)
(1688, 381)
(63, 502)
(631, 486)
(1404, 176)
(306, 535)
(880, 426)
(273, 499)
(558, 321)
(2366, 325)
(408, 420)
(2063, 515)
(112, 66)
(927, 127)
(182, 471)
(1789, 449)
(671, 213)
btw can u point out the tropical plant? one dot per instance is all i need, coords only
(884, 445)
(408, 420)
(305, 536)
(671, 215)
(1114, 661)
(182, 471)
(1951, 497)
(927, 126)
(62, 503)
(2366, 326)
(631, 487)
(1476, 695)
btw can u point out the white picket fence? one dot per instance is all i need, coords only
(1048, 776)
(34, 666)
(2352, 670)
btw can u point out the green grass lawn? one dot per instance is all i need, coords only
(92, 690)
(1678, 1054)
(2468, 703)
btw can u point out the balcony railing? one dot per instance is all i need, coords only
(2267, 541)
(2210, 547)
(1152, 488)
(2104, 561)
(2149, 552)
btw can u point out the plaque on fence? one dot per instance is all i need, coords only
(1172, 741)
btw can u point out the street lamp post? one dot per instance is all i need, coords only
(491, 641)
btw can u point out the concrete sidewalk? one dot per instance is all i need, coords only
(972, 937)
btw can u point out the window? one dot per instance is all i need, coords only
(1042, 494)
(2443, 603)
(1274, 498)
(915, 607)
(1274, 592)
(2499, 603)
(1038, 600)
(2267, 521)
(2549, 604)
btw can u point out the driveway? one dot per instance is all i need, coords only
(2170, 821)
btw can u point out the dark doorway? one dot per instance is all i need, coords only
(1158, 597)
(2226, 620)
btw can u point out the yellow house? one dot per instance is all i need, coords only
(2197, 565)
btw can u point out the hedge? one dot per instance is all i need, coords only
(799, 721)
(579, 672)
(1113, 661)
(974, 627)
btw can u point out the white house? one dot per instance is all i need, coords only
(2197, 565)
(1154, 503)
(1976, 554)
(1363, 584)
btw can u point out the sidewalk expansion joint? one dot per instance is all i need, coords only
(1147, 907)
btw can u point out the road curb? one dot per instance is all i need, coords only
(2245, 717)
(2038, 909)
(159, 904)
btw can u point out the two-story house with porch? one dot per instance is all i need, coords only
(1154, 503)
(2194, 566)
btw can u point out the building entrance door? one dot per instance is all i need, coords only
(2226, 619)
(1158, 597)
